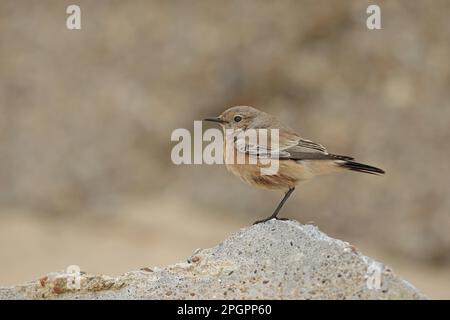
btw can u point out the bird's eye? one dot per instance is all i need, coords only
(237, 118)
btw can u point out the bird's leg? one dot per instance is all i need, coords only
(280, 205)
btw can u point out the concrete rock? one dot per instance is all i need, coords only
(274, 260)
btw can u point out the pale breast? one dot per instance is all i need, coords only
(288, 175)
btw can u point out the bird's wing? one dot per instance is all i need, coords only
(304, 145)
(260, 151)
(308, 150)
(260, 145)
(290, 146)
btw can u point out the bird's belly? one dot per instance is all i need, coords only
(288, 174)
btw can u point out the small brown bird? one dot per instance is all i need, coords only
(298, 159)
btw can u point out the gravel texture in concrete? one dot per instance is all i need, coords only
(272, 260)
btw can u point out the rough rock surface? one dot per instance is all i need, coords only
(274, 260)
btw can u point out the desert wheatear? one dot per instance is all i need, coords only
(298, 159)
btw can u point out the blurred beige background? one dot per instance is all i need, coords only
(86, 118)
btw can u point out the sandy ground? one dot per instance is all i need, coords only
(113, 244)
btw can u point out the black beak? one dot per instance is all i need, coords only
(215, 119)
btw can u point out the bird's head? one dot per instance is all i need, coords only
(239, 117)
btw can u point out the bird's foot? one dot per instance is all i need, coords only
(269, 218)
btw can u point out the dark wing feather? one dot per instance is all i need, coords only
(295, 149)
(309, 150)
(311, 146)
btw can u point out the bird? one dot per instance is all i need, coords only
(299, 159)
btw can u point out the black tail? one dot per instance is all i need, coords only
(360, 167)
